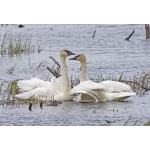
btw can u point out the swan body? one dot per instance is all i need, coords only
(103, 91)
(56, 89)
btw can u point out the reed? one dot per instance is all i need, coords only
(17, 44)
(1, 86)
(147, 123)
(3, 48)
(13, 88)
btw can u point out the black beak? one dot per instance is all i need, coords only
(69, 53)
(74, 58)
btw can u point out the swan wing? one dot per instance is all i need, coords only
(53, 89)
(46, 91)
(87, 86)
(115, 87)
(33, 83)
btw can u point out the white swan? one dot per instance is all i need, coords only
(57, 89)
(103, 91)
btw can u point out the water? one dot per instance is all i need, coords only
(108, 53)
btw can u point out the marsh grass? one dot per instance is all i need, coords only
(17, 44)
(147, 123)
(13, 88)
(1, 85)
(3, 48)
(140, 84)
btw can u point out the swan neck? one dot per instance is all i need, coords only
(65, 74)
(83, 72)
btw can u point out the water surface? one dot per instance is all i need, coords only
(108, 54)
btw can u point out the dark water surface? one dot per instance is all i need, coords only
(108, 53)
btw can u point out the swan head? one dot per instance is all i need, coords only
(80, 57)
(64, 53)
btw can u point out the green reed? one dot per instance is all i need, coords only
(17, 44)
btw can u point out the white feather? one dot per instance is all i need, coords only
(42, 89)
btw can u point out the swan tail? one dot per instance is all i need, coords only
(120, 96)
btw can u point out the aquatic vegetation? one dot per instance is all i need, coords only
(17, 44)
(1, 86)
(3, 48)
(147, 123)
(140, 84)
(12, 87)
